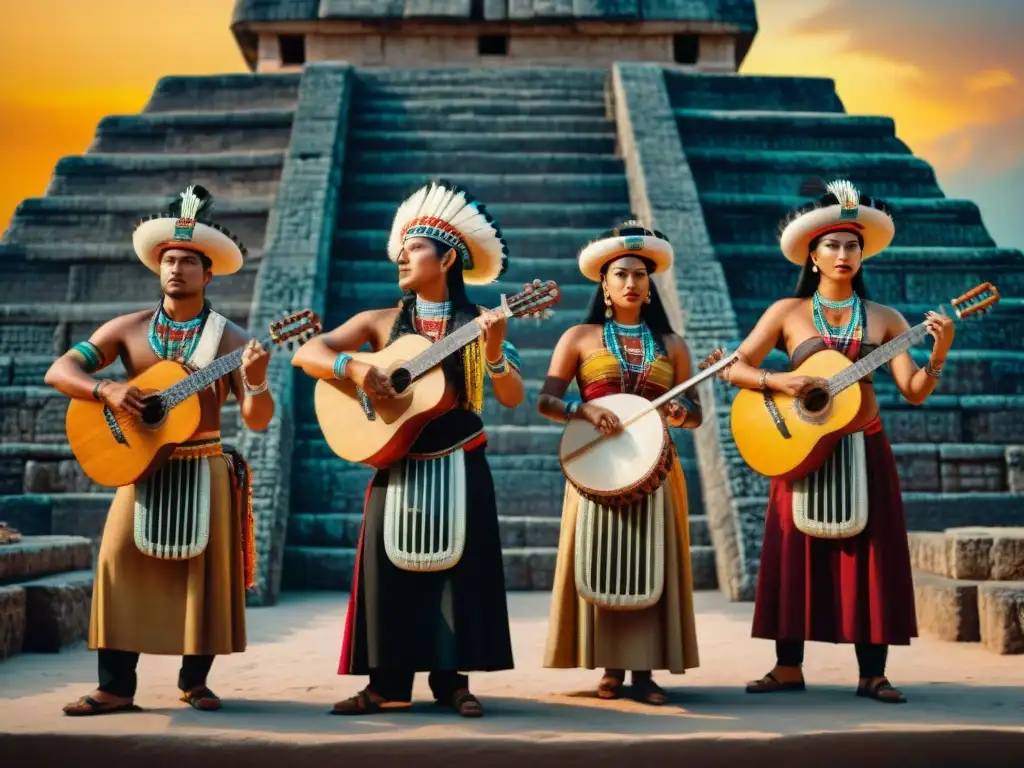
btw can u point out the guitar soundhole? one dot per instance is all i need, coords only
(816, 401)
(153, 411)
(401, 380)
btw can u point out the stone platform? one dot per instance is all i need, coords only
(966, 706)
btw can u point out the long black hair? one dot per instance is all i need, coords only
(652, 314)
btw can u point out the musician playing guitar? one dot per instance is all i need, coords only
(854, 586)
(192, 607)
(625, 344)
(452, 617)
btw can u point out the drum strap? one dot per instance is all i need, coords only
(832, 502)
(425, 512)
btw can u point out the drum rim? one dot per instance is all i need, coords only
(667, 445)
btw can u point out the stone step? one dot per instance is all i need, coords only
(980, 554)
(370, 267)
(37, 413)
(953, 467)
(48, 281)
(508, 143)
(900, 275)
(466, 106)
(1002, 328)
(57, 611)
(224, 174)
(557, 243)
(931, 512)
(787, 131)
(751, 219)
(42, 468)
(598, 216)
(356, 297)
(552, 188)
(526, 569)
(577, 77)
(12, 621)
(36, 556)
(217, 93)
(769, 172)
(219, 132)
(752, 92)
(515, 92)
(333, 529)
(965, 611)
(502, 124)
(87, 254)
(502, 161)
(108, 218)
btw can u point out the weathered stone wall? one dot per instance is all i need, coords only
(662, 192)
(292, 277)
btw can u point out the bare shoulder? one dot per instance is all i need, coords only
(130, 324)
(784, 307)
(888, 316)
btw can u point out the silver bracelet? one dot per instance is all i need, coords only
(252, 391)
(932, 371)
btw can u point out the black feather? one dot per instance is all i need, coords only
(813, 187)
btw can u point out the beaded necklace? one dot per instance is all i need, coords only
(639, 370)
(173, 339)
(431, 317)
(836, 337)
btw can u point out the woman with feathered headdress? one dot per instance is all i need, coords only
(856, 588)
(625, 344)
(451, 618)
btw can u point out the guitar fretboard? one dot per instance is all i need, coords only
(437, 352)
(876, 359)
(204, 377)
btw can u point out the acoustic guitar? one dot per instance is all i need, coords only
(117, 449)
(380, 432)
(789, 437)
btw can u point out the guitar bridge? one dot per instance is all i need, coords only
(773, 411)
(113, 426)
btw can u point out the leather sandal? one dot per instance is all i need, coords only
(10, 535)
(647, 691)
(882, 691)
(363, 704)
(201, 698)
(610, 687)
(771, 684)
(465, 703)
(87, 706)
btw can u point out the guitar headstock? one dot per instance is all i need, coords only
(535, 300)
(977, 300)
(303, 326)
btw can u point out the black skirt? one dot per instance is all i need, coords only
(456, 619)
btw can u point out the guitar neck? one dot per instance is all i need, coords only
(204, 377)
(850, 376)
(438, 351)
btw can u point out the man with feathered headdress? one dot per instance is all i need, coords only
(452, 618)
(194, 604)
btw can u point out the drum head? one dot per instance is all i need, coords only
(618, 461)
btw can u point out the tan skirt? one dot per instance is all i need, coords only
(662, 637)
(172, 607)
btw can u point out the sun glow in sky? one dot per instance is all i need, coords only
(949, 72)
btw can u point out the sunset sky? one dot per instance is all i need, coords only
(945, 70)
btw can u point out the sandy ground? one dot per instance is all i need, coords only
(964, 702)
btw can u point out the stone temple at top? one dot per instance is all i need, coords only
(565, 116)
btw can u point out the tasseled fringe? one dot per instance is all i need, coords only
(473, 364)
(243, 484)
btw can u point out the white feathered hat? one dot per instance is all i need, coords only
(841, 208)
(180, 228)
(447, 213)
(630, 238)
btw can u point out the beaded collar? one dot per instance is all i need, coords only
(176, 340)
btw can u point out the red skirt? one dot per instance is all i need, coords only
(855, 590)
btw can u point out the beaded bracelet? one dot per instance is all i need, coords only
(340, 364)
(499, 368)
(932, 371)
(253, 391)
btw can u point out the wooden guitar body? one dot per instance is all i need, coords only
(785, 437)
(120, 451)
(383, 436)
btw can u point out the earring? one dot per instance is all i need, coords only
(814, 268)
(608, 303)
(647, 299)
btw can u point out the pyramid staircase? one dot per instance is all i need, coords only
(750, 142)
(73, 266)
(539, 148)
